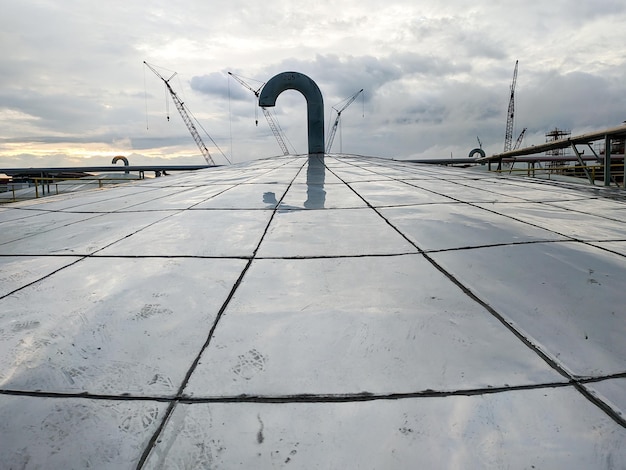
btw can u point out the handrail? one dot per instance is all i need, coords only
(42, 180)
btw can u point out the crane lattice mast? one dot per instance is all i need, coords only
(275, 130)
(333, 130)
(185, 115)
(520, 138)
(508, 138)
(273, 126)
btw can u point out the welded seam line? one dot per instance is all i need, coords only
(294, 398)
(173, 402)
(53, 228)
(617, 417)
(240, 183)
(527, 341)
(95, 253)
(81, 257)
(170, 409)
(547, 359)
(524, 201)
(456, 200)
(568, 238)
(465, 290)
(365, 396)
(547, 202)
(41, 278)
(376, 211)
(318, 398)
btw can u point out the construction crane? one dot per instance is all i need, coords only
(518, 142)
(333, 130)
(268, 116)
(184, 114)
(508, 138)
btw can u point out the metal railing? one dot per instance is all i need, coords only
(43, 185)
(591, 173)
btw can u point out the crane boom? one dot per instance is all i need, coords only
(333, 130)
(518, 142)
(266, 113)
(508, 138)
(275, 131)
(183, 113)
(246, 85)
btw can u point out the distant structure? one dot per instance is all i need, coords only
(270, 120)
(618, 146)
(508, 138)
(180, 106)
(552, 136)
(520, 138)
(118, 158)
(331, 137)
(557, 134)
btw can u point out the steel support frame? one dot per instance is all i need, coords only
(607, 160)
(624, 169)
(582, 163)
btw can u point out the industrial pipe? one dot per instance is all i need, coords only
(315, 103)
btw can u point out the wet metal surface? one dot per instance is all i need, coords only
(334, 311)
(516, 429)
(348, 312)
(568, 297)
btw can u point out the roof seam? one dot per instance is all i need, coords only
(179, 395)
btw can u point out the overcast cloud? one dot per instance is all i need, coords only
(73, 88)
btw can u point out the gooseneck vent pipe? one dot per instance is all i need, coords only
(480, 152)
(118, 158)
(315, 103)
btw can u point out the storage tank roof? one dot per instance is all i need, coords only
(345, 312)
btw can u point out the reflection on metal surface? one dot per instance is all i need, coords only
(315, 192)
(315, 174)
(270, 198)
(423, 316)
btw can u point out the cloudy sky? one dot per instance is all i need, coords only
(436, 75)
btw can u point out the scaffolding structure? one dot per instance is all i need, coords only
(552, 136)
